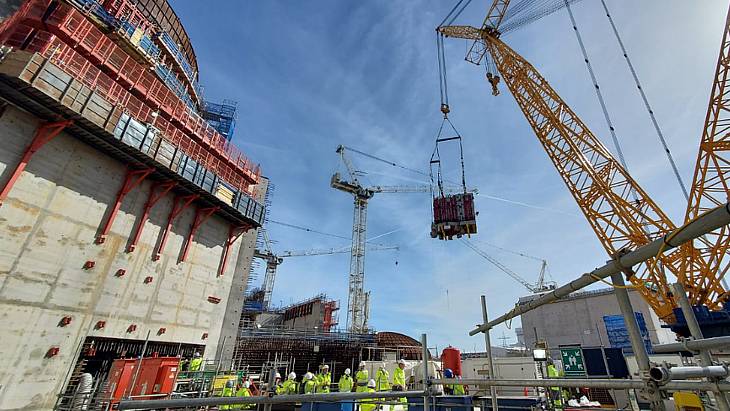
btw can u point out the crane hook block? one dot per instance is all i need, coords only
(445, 109)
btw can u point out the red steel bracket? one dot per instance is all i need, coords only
(154, 196)
(179, 204)
(132, 179)
(43, 134)
(233, 233)
(201, 214)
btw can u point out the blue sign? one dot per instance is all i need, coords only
(618, 335)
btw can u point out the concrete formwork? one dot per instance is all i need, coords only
(47, 229)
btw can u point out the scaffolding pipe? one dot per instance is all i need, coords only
(718, 217)
(277, 399)
(689, 317)
(426, 386)
(693, 345)
(488, 343)
(588, 383)
(663, 375)
(627, 310)
(694, 328)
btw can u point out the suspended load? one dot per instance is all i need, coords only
(453, 214)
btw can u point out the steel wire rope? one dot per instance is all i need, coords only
(659, 132)
(602, 102)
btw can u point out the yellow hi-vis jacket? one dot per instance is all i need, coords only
(366, 404)
(361, 379)
(399, 377)
(323, 382)
(382, 382)
(345, 383)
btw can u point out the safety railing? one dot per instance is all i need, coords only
(97, 49)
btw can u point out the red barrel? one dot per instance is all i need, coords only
(451, 358)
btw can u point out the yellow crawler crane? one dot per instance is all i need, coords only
(620, 212)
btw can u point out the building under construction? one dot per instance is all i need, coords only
(125, 215)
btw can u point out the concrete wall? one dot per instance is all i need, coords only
(236, 296)
(47, 229)
(310, 321)
(580, 321)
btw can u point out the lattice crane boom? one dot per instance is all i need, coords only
(598, 183)
(705, 262)
(501, 266)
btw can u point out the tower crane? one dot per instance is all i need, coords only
(357, 304)
(619, 211)
(539, 286)
(273, 260)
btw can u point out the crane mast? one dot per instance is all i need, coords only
(274, 260)
(598, 183)
(358, 301)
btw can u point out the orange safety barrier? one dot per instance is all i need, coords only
(74, 28)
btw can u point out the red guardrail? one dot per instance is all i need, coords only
(76, 30)
(87, 73)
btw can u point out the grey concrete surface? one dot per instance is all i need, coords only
(48, 225)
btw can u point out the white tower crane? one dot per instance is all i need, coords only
(357, 302)
(273, 260)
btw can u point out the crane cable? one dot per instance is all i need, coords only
(436, 157)
(443, 88)
(646, 104)
(602, 102)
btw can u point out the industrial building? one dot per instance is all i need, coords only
(124, 215)
(589, 319)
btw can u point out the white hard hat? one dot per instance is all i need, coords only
(362, 363)
(347, 371)
(382, 365)
(277, 375)
(402, 361)
(292, 376)
(308, 376)
(325, 367)
(371, 383)
(196, 355)
(247, 384)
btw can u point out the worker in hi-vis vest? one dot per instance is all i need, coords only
(243, 391)
(452, 389)
(382, 379)
(555, 395)
(290, 386)
(324, 379)
(228, 391)
(310, 385)
(345, 383)
(196, 362)
(361, 378)
(368, 404)
(399, 380)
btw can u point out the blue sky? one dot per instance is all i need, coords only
(311, 75)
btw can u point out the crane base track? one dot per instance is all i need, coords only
(712, 323)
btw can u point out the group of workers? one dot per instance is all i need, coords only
(322, 381)
(237, 390)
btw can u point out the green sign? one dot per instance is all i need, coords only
(573, 364)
